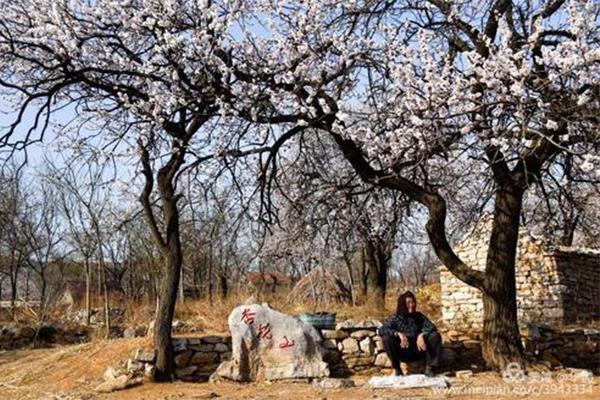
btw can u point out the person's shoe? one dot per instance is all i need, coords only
(429, 371)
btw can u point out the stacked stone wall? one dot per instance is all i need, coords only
(355, 347)
(579, 275)
(556, 287)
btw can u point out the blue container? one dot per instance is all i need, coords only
(320, 320)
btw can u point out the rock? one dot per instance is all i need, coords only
(366, 346)
(353, 325)
(180, 345)
(350, 345)
(149, 370)
(221, 348)
(378, 344)
(533, 332)
(213, 339)
(333, 334)
(464, 374)
(134, 366)
(273, 345)
(329, 344)
(472, 344)
(382, 360)
(111, 373)
(225, 356)
(204, 347)
(119, 383)
(201, 358)
(363, 333)
(144, 355)
(452, 334)
(333, 383)
(358, 360)
(183, 359)
(129, 333)
(185, 372)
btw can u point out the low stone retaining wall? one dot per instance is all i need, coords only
(573, 347)
(196, 358)
(349, 349)
(14, 336)
(354, 347)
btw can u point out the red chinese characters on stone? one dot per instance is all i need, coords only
(264, 331)
(248, 316)
(286, 343)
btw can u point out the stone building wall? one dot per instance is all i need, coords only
(579, 274)
(549, 282)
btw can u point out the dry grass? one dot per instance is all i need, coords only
(211, 317)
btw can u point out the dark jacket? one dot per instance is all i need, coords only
(411, 325)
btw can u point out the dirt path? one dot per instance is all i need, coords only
(71, 372)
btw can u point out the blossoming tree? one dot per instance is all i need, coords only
(428, 87)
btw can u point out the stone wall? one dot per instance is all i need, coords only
(579, 273)
(572, 347)
(196, 358)
(350, 348)
(355, 346)
(14, 336)
(554, 286)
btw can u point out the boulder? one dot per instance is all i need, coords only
(273, 345)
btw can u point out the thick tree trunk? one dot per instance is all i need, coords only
(501, 340)
(173, 258)
(378, 257)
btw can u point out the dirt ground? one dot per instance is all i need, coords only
(72, 372)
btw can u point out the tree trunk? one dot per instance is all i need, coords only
(223, 285)
(378, 257)
(364, 276)
(173, 258)
(501, 340)
(13, 292)
(88, 289)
